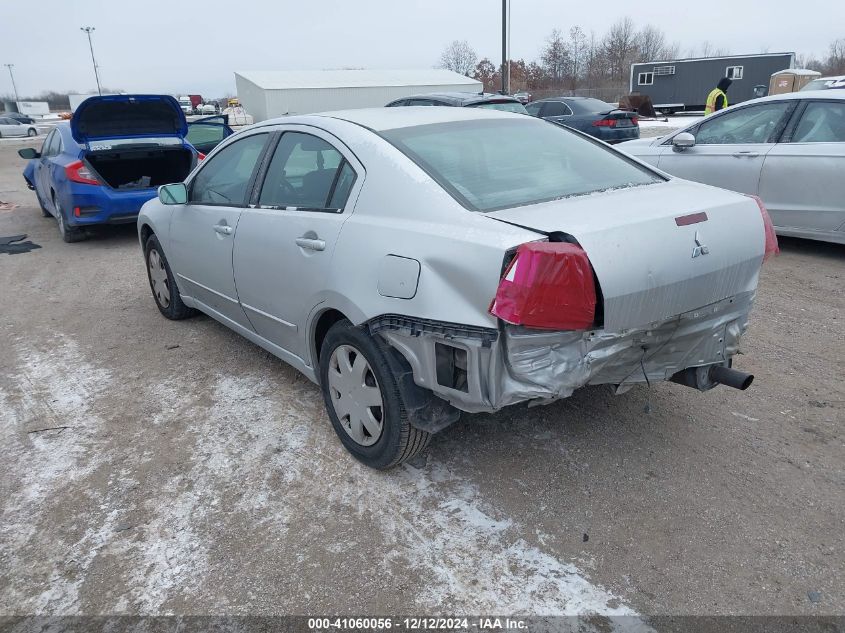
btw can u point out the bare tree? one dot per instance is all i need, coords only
(459, 57)
(555, 57)
(577, 53)
(620, 48)
(651, 44)
(835, 63)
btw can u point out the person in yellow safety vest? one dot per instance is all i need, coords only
(718, 97)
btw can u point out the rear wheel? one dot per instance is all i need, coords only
(162, 283)
(363, 401)
(32, 132)
(69, 234)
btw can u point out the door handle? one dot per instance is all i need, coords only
(745, 154)
(311, 243)
(224, 229)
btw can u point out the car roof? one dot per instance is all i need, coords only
(461, 98)
(379, 119)
(801, 94)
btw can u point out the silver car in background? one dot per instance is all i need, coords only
(787, 149)
(13, 127)
(420, 262)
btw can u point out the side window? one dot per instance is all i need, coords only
(645, 79)
(396, 104)
(45, 148)
(307, 173)
(556, 108)
(53, 143)
(534, 108)
(754, 124)
(421, 102)
(225, 177)
(822, 122)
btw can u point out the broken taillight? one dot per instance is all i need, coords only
(548, 285)
(772, 247)
(77, 171)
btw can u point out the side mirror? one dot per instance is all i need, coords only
(683, 141)
(29, 152)
(177, 193)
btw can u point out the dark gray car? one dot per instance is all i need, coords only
(485, 100)
(591, 116)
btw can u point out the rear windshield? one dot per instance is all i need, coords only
(592, 106)
(505, 106)
(498, 164)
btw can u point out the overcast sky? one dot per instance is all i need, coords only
(194, 47)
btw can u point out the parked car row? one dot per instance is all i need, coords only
(447, 259)
(590, 116)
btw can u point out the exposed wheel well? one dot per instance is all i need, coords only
(324, 323)
(146, 231)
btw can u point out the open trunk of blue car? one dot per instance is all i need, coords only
(134, 141)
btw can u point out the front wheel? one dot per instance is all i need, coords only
(363, 401)
(162, 283)
(32, 132)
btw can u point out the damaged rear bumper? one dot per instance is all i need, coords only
(484, 369)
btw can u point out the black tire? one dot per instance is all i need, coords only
(32, 132)
(173, 308)
(399, 441)
(68, 233)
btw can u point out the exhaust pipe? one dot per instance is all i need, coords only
(705, 378)
(730, 377)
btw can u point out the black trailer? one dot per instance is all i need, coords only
(683, 84)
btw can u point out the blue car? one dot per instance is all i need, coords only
(590, 116)
(103, 165)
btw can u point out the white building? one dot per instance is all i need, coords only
(269, 94)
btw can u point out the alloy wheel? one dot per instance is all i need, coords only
(356, 395)
(158, 278)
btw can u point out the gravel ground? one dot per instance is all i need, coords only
(156, 467)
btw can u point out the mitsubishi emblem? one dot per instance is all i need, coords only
(700, 249)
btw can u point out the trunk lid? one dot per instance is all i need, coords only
(127, 117)
(647, 246)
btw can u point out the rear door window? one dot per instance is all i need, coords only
(225, 177)
(308, 173)
(821, 122)
(556, 108)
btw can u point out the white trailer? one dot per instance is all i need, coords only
(270, 94)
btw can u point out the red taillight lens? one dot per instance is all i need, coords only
(605, 123)
(635, 120)
(772, 247)
(200, 156)
(77, 171)
(548, 285)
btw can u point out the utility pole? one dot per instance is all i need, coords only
(14, 87)
(506, 71)
(88, 30)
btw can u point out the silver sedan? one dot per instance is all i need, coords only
(420, 262)
(788, 149)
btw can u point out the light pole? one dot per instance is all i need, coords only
(9, 66)
(88, 30)
(506, 69)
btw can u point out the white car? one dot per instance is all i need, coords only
(417, 262)
(787, 149)
(13, 127)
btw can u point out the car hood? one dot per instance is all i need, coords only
(128, 116)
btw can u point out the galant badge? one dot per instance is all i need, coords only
(700, 249)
